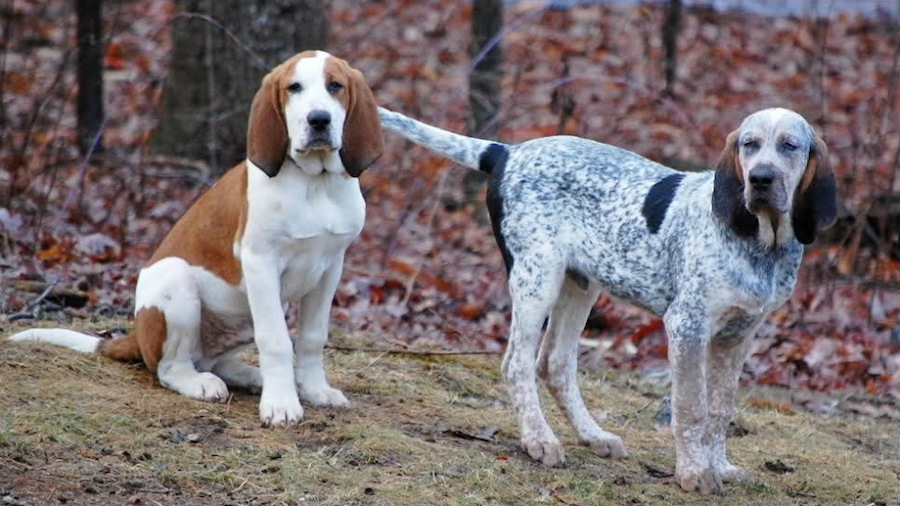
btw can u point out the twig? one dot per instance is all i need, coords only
(209, 63)
(645, 406)
(387, 15)
(19, 154)
(64, 296)
(654, 471)
(50, 286)
(412, 279)
(398, 351)
(78, 187)
(514, 25)
(214, 22)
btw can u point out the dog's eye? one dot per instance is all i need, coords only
(295, 88)
(334, 87)
(788, 146)
(750, 144)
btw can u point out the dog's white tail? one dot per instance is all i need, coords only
(61, 337)
(466, 151)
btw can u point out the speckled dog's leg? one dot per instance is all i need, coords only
(558, 364)
(726, 358)
(688, 356)
(533, 288)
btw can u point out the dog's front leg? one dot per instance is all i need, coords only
(315, 309)
(278, 404)
(726, 358)
(688, 355)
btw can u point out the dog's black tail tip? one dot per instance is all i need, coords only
(493, 159)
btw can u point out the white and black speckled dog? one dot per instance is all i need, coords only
(709, 253)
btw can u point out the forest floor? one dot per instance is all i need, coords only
(422, 429)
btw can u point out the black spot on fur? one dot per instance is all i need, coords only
(493, 162)
(658, 199)
(493, 158)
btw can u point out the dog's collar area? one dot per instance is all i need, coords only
(312, 160)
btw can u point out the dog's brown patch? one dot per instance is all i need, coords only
(206, 234)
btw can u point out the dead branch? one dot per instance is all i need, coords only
(49, 291)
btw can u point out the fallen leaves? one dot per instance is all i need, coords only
(424, 272)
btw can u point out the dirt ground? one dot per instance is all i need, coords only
(422, 429)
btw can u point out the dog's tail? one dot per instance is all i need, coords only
(469, 152)
(124, 349)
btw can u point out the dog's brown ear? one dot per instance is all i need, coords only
(815, 202)
(362, 143)
(728, 192)
(267, 137)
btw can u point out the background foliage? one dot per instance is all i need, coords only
(426, 271)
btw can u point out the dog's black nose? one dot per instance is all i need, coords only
(319, 120)
(761, 178)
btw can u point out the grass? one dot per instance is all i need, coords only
(81, 429)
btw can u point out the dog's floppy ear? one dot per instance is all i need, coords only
(815, 201)
(728, 192)
(362, 143)
(267, 137)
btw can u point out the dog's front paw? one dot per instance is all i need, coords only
(325, 396)
(732, 474)
(704, 480)
(206, 386)
(546, 451)
(286, 412)
(607, 445)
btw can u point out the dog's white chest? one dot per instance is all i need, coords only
(331, 211)
(295, 205)
(305, 222)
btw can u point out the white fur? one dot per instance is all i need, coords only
(314, 96)
(293, 248)
(61, 337)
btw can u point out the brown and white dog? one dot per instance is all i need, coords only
(273, 229)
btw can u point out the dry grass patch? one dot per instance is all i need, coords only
(421, 430)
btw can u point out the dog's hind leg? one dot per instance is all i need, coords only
(167, 325)
(236, 373)
(558, 364)
(533, 286)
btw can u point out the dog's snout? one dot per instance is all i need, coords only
(319, 120)
(761, 178)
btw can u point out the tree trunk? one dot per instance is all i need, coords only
(484, 82)
(221, 51)
(670, 43)
(90, 76)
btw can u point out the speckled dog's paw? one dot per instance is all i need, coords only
(706, 480)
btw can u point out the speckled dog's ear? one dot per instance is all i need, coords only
(728, 192)
(815, 202)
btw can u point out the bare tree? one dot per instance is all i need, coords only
(91, 48)
(670, 42)
(221, 50)
(484, 81)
